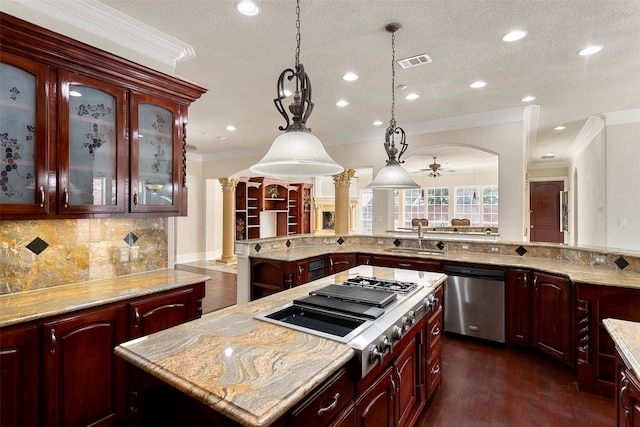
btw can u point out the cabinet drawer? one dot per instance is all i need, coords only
(325, 402)
(434, 333)
(434, 372)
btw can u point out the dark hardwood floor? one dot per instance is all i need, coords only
(483, 384)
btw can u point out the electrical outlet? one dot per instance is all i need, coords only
(465, 247)
(599, 260)
(274, 246)
(381, 242)
(124, 255)
(495, 249)
(135, 253)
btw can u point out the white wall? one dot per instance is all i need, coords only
(188, 247)
(623, 186)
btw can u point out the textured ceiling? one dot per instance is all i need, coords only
(239, 59)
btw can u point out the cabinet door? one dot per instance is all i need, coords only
(375, 407)
(83, 380)
(153, 314)
(93, 149)
(407, 379)
(628, 400)
(518, 295)
(340, 262)
(302, 272)
(552, 316)
(19, 376)
(24, 128)
(156, 155)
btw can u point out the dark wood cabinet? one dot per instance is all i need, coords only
(519, 296)
(19, 373)
(271, 276)
(404, 262)
(407, 373)
(433, 354)
(552, 316)
(302, 272)
(165, 310)
(595, 350)
(71, 144)
(375, 408)
(627, 396)
(340, 262)
(82, 379)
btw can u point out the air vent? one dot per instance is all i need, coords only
(414, 61)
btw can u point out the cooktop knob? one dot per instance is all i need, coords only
(396, 333)
(412, 317)
(375, 355)
(385, 344)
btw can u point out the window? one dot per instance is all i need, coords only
(438, 206)
(478, 204)
(413, 206)
(490, 206)
(366, 211)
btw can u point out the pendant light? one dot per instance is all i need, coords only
(296, 153)
(393, 176)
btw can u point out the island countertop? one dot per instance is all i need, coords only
(40, 303)
(626, 336)
(249, 370)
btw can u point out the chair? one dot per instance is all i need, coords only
(457, 221)
(416, 221)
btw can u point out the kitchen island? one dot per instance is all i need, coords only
(250, 371)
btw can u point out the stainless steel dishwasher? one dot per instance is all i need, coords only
(474, 302)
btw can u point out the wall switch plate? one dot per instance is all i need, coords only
(465, 247)
(135, 253)
(124, 255)
(599, 260)
(274, 246)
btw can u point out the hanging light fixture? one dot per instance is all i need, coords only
(393, 176)
(296, 153)
(435, 169)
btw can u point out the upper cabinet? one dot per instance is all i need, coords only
(24, 127)
(85, 133)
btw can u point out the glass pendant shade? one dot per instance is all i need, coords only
(296, 154)
(393, 177)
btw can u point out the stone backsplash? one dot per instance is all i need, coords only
(43, 254)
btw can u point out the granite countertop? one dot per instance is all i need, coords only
(249, 370)
(626, 336)
(578, 273)
(40, 303)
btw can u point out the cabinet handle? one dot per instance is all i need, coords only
(135, 199)
(366, 261)
(41, 196)
(435, 370)
(535, 282)
(332, 405)
(402, 264)
(525, 281)
(331, 263)
(66, 198)
(136, 314)
(436, 331)
(53, 342)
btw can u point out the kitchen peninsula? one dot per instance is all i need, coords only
(257, 373)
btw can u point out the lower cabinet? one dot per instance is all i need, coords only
(433, 354)
(627, 396)
(375, 407)
(62, 371)
(404, 262)
(19, 368)
(552, 316)
(340, 262)
(519, 295)
(595, 350)
(82, 379)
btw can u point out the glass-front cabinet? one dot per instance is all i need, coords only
(92, 146)
(23, 136)
(155, 154)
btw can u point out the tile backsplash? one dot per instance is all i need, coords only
(43, 254)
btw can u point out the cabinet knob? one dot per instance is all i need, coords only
(135, 199)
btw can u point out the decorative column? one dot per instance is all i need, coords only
(341, 182)
(228, 219)
(352, 217)
(318, 221)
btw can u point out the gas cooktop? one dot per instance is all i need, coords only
(396, 286)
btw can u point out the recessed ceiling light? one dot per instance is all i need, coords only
(478, 84)
(221, 138)
(74, 93)
(247, 7)
(412, 96)
(342, 103)
(528, 98)
(590, 50)
(559, 128)
(231, 127)
(402, 87)
(514, 36)
(350, 77)
(377, 123)
(548, 155)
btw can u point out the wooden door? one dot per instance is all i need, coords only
(544, 202)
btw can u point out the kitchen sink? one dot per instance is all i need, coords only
(414, 251)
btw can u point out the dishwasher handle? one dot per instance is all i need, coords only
(480, 273)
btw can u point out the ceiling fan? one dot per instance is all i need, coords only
(434, 168)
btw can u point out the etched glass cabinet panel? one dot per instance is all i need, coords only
(93, 154)
(154, 157)
(23, 136)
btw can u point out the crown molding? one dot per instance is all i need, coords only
(622, 117)
(591, 128)
(104, 22)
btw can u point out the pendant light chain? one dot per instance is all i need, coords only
(392, 123)
(297, 33)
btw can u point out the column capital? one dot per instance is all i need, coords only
(228, 184)
(344, 178)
